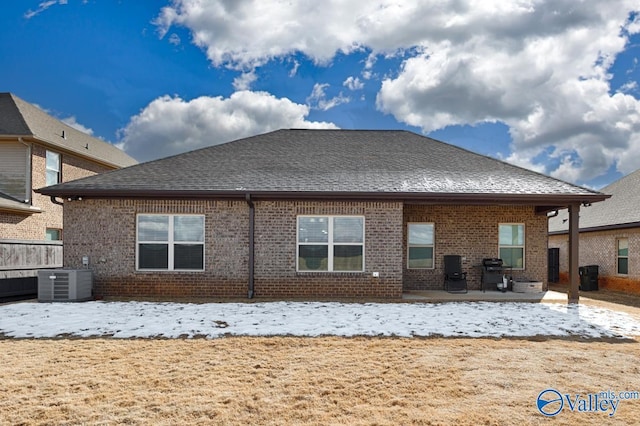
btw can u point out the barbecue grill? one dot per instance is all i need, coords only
(492, 274)
(492, 264)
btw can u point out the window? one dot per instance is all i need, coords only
(623, 256)
(331, 243)
(420, 246)
(511, 245)
(53, 234)
(170, 242)
(53, 168)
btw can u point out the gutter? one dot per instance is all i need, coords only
(252, 214)
(552, 201)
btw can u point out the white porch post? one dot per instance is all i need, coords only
(574, 237)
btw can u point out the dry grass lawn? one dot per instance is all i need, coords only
(324, 381)
(286, 380)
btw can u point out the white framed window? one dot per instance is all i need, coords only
(622, 256)
(511, 245)
(170, 242)
(420, 243)
(53, 168)
(330, 244)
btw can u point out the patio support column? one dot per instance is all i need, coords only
(574, 238)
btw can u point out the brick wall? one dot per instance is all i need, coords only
(276, 251)
(472, 232)
(105, 231)
(33, 227)
(600, 248)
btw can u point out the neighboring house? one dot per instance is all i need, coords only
(300, 213)
(37, 150)
(609, 236)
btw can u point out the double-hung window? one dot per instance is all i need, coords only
(623, 256)
(420, 245)
(331, 243)
(170, 242)
(53, 168)
(511, 244)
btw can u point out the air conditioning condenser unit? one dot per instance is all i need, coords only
(64, 285)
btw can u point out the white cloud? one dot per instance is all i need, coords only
(71, 121)
(294, 68)
(245, 80)
(174, 39)
(318, 98)
(541, 67)
(353, 83)
(545, 75)
(42, 7)
(171, 125)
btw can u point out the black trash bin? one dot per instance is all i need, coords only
(588, 277)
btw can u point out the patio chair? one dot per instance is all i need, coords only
(455, 280)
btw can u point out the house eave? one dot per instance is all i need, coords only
(544, 202)
(26, 210)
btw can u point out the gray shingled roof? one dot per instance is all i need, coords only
(621, 210)
(20, 118)
(351, 163)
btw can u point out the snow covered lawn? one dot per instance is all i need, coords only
(212, 320)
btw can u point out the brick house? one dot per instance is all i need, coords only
(309, 213)
(37, 150)
(609, 236)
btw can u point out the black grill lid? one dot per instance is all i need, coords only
(492, 262)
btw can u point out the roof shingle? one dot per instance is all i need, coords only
(20, 118)
(619, 210)
(327, 161)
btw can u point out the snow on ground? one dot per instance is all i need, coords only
(212, 320)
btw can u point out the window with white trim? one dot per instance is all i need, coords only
(511, 245)
(330, 243)
(623, 256)
(52, 168)
(420, 240)
(170, 242)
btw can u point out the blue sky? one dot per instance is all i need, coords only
(548, 85)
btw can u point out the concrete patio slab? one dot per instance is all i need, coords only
(480, 296)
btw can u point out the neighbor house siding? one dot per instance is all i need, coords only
(599, 248)
(33, 227)
(105, 230)
(472, 232)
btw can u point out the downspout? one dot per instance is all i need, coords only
(252, 213)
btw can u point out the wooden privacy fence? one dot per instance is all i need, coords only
(20, 261)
